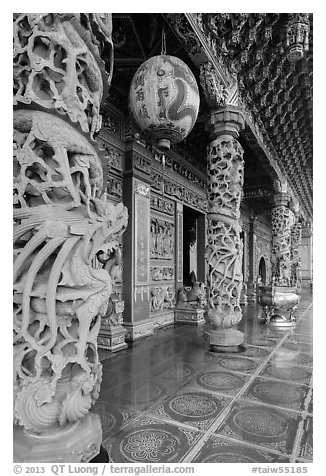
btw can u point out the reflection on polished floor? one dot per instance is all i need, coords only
(170, 400)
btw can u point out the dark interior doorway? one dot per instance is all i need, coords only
(193, 246)
(262, 270)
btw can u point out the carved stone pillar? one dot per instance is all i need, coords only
(282, 222)
(251, 287)
(61, 222)
(295, 254)
(224, 246)
(306, 254)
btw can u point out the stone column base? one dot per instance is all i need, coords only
(76, 443)
(163, 320)
(137, 330)
(243, 300)
(224, 340)
(251, 297)
(112, 338)
(190, 316)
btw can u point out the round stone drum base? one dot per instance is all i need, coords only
(233, 349)
(229, 338)
(278, 320)
(79, 443)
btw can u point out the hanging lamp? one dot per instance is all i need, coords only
(164, 99)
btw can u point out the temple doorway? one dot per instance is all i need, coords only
(193, 246)
(262, 270)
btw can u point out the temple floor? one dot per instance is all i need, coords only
(169, 399)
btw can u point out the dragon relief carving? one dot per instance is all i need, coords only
(282, 221)
(295, 254)
(224, 245)
(61, 222)
(57, 64)
(214, 90)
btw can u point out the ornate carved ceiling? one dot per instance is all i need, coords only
(275, 83)
(276, 93)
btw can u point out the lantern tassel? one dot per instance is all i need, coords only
(163, 49)
(163, 171)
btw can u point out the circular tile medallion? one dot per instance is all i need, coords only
(146, 394)
(220, 380)
(193, 406)
(108, 422)
(238, 363)
(255, 352)
(260, 422)
(149, 445)
(277, 392)
(292, 373)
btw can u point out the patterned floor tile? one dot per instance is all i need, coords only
(278, 393)
(256, 352)
(147, 441)
(197, 409)
(287, 373)
(306, 443)
(113, 417)
(303, 337)
(235, 363)
(136, 394)
(178, 371)
(197, 357)
(304, 359)
(110, 378)
(298, 346)
(164, 393)
(261, 341)
(262, 426)
(227, 383)
(220, 450)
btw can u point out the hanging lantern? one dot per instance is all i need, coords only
(297, 36)
(164, 100)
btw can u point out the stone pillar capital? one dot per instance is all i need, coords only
(281, 199)
(225, 120)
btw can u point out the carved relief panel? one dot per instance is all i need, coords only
(162, 252)
(162, 239)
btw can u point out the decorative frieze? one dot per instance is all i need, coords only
(180, 169)
(114, 188)
(142, 163)
(178, 191)
(162, 205)
(114, 157)
(162, 273)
